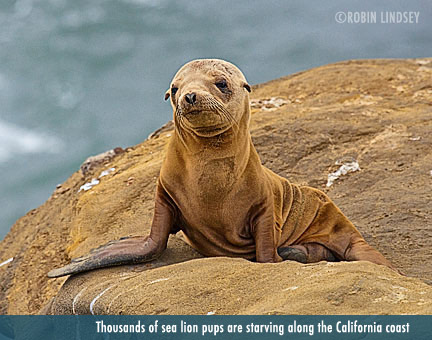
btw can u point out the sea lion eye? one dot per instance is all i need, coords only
(174, 91)
(222, 85)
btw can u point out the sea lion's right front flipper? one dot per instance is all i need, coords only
(129, 250)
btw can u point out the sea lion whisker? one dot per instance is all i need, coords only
(230, 117)
(220, 108)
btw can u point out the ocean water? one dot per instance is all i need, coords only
(80, 77)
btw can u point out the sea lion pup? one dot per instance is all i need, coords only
(213, 187)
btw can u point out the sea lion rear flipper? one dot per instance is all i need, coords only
(126, 250)
(306, 253)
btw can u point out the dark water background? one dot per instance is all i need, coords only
(80, 77)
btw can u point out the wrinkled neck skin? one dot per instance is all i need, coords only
(206, 162)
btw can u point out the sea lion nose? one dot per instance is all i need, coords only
(190, 98)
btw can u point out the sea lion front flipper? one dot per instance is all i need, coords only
(130, 250)
(262, 222)
(127, 250)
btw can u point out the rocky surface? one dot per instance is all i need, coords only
(377, 113)
(236, 286)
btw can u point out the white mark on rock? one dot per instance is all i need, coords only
(423, 61)
(384, 278)
(430, 172)
(345, 168)
(415, 138)
(269, 104)
(211, 313)
(89, 185)
(106, 172)
(158, 280)
(396, 295)
(97, 298)
(6, 262)
(290, 288)
(75, 300)
(421, 302)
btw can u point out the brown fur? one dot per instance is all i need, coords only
(213, 187)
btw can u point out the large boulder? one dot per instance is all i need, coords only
(375, 115)
(237, 286)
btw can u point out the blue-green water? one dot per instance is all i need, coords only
(80, 77)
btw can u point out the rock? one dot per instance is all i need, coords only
(303, 126)
(237, 286)
(95, 161)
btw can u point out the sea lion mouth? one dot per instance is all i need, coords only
(203, 117)
(193, 112)
(213, 128)
(205, 121)
(199, 111)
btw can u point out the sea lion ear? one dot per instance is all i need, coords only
(167, 94)
(247, 87)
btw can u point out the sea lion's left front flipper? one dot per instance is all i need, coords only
(129, 250)
(262, 226)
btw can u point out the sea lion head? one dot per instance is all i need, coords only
(209, 97)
